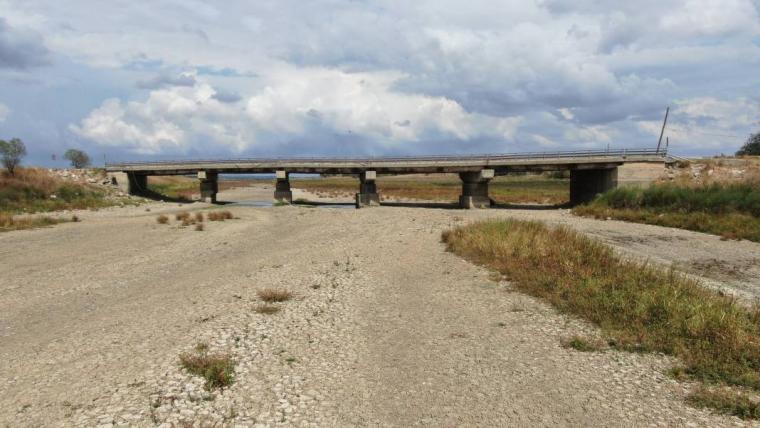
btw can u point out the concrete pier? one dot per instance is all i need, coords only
(209, 186)
(586, 184)
(367, 195)
(475, 189)
(282, 192)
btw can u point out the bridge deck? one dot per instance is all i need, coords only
(501, 163)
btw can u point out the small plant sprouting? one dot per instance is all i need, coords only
(271, 295)
(582, 344)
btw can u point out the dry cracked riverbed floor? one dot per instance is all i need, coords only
(386, 328)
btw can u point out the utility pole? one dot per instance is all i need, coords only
(664, 122)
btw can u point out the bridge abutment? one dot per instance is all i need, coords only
(131, 183)
(475, 189)
(367, 195)
(586, 184)
(282, 192)
(209, 186)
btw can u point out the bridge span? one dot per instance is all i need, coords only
(591, 172)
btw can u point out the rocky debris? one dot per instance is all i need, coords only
(700, 171)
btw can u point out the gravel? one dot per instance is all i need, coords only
(385, 327)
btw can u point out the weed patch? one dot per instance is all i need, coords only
(728, 210)
(641, 307)
(727, 402)
(583, 344)
(272, 295)
(217, 369)
(219, 216)
(8, 222)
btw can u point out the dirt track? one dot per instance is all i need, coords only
(386, 329)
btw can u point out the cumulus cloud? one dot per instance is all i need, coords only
(708, 122)
(399, 76)
(21, 49)
(297, 104)
(4, 111)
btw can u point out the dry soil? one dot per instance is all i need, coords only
(385, 329)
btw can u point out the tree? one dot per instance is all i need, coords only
(12, 151)
(751, 147)
(78, 158)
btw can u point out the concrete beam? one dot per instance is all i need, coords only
(282, 192)
(367, 195)
(475, 189)
(587, 184)
(209, 186)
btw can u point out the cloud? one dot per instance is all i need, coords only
(708, 123)
(299, 104)
(227, 97)
(160, 81)
(4, 112)
(21, 49)
(330, 76)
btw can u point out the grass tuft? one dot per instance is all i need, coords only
(267, 309)
(182, 216)
(727, 402)
(583, 344)
(8, 222)
(199, 227)
(217, 369)
(640, 307)
(199, 217)
(162, 219)
(271, 295)
(219, 216)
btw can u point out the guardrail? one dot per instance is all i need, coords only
(432, 158)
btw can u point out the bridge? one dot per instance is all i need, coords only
(591, 172)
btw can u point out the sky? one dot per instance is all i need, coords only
(163, 79)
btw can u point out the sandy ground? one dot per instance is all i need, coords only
(386, 329)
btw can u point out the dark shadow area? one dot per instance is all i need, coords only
(536, 207)
(418, 204)
(150, 194)
(437, 205)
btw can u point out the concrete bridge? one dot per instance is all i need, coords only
(591, 172)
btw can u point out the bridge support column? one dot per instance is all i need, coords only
(475, 189)
(282, 192)
(586, 184)
(367, 195)
(209, 186)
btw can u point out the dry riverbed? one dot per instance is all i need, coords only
(385, 328)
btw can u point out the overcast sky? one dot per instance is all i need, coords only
(188, 78)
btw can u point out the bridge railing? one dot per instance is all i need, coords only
(432, 158)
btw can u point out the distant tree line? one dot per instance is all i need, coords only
(13, 150)
(751, 147)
